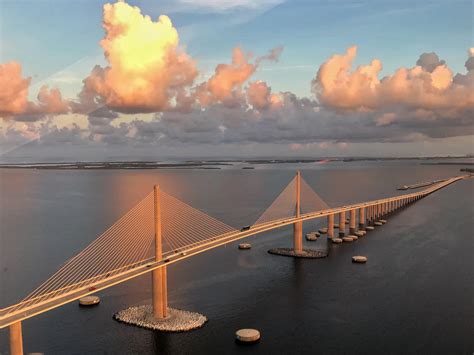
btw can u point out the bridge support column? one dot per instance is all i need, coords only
(362, 218)
(16, 339)
(298, 226)
(352, 223)
(342, 224)
(331, 226)
(159, 276)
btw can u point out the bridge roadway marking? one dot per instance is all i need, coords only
(71, 296)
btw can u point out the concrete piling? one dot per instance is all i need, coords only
(331, 226)
(352, 222)
(362, 218)
(342, 224)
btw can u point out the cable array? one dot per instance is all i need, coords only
(128, 244)
(121, 247)
(184, 227)
(282, 207)
(310, 200)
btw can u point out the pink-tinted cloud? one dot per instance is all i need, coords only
(225, 85)
(14, 96)
(258, 94)
(147, 70)
(50, 101)
(429, 85)
(13, 89)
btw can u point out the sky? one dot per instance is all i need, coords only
(88, 80)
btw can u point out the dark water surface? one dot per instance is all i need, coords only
(414, 296)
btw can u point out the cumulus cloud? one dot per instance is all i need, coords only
(429, 85)
(147, 70)
(226, 83)
(13, 89)
(429, 61)
(258, 94)
(14, 96)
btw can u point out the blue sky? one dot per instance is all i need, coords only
(47, 36)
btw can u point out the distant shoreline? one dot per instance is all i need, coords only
(217, 164)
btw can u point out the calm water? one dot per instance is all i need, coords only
(413, 296)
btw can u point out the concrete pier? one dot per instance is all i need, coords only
(331, 226)
(342, 224)
(298, 226)
(352, 223)
(159, 277)
(16, 339)
(362, 218)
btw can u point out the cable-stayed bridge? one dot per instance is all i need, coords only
(161, 230)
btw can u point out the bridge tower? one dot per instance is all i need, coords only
(16, 339)
(298, 226)
(159, 278)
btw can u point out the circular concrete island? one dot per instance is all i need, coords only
(89, 301)
(336, 240)
(354, 237)
(176, 321)
(360, 233)
(311, 237)
(359, 259)
(369, 228)
(305, 253)
(378, 223)
(245, 246)
(247, 335)
(347, 239)
(323, 230)
(383, 221)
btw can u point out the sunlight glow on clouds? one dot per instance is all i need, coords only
(146, 67)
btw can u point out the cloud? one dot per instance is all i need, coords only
(14, 97)
(225, 84)
(258, 94)
(13, 89)
(429, 61)
(427, 85)
(147, 70)
(335, 85)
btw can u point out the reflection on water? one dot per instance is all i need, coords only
(417, 281)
